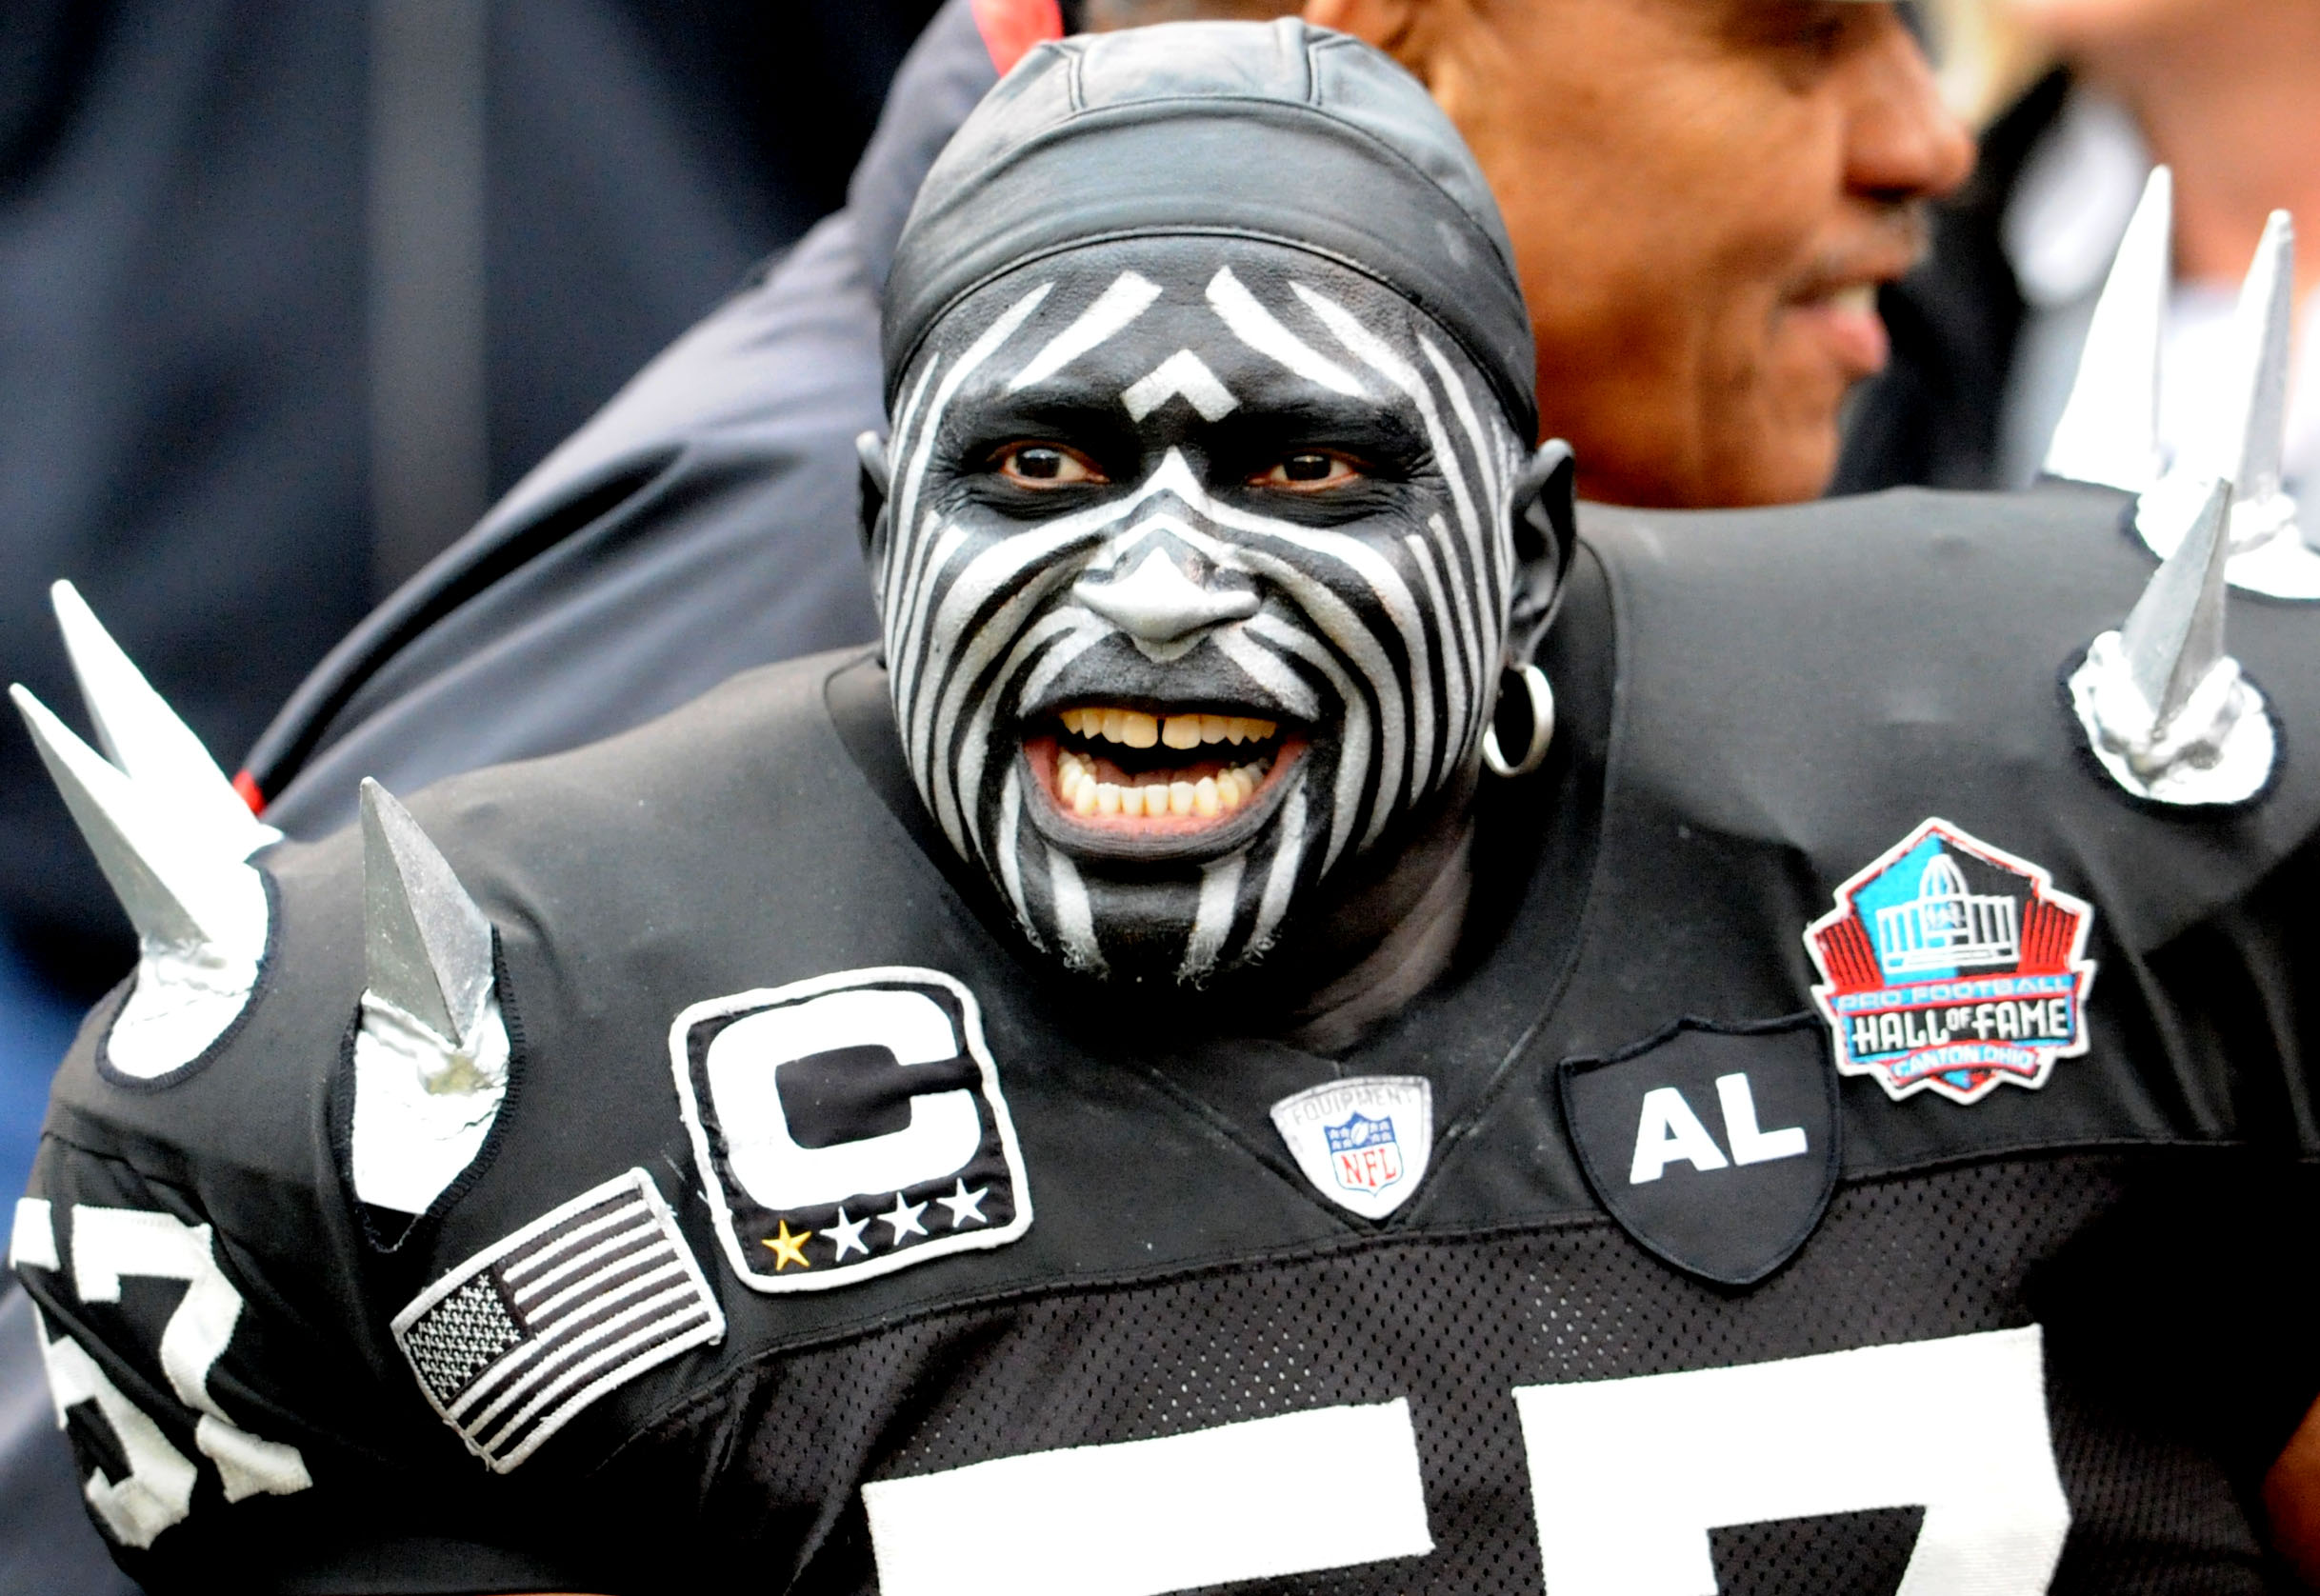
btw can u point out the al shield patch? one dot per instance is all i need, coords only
(847, 1127)
(1714, 1145)
(1952, 967)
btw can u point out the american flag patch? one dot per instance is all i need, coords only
(521, 1336)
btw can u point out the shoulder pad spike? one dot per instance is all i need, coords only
(177, 889)
(2268, 553)
(2109, 429)
(2174, 634)
(2262, 327)
(2165, 709)
(144, 736)
(426, 947)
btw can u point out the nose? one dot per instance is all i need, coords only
(1158, 603)
(1901, 142)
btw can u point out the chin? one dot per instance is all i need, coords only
(1787, 462)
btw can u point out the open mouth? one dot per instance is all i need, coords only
(1135, 773)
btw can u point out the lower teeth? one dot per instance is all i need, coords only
(1210, 795)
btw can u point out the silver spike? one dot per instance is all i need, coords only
(2109, 429)
(2268, 554)
(179, 891)
(2174, 634)
(2262, 325)
(2166, 710)
(144, 736)
(427, 947)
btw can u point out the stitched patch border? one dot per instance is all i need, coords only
(512, 1345)
(793, 1230)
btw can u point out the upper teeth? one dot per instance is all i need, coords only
(1139, 730)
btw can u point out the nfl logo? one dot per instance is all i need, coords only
(1364, 1154)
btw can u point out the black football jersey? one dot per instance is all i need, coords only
(1857, 1149)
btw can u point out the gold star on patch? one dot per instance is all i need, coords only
(789, 1249)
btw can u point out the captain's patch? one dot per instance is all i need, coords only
(1363, 1142)
(847, 1127)
(1951, 966)
(521, 1337)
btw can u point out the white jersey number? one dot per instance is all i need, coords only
(109, 1245)
(1628, 1476)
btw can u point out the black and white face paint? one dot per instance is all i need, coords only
(1194, 576)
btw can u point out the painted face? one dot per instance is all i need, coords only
(1194, 586)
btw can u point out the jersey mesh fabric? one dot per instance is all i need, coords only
(1454, 1324)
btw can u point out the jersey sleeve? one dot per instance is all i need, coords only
(228, 1424)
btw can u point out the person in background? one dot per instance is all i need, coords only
(1987, 333)
(1704, 197)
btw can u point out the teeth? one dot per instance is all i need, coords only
(1211, 795)
(1139, 730)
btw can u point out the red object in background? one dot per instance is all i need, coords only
(1010, 27)
(247, 785)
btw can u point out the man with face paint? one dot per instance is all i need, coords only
(1298, 1023)
(1188, 620)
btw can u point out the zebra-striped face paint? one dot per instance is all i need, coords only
(1194, 578)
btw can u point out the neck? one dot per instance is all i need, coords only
(1410, 958)
(2229, 97)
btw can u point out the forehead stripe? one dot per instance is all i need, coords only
(1113, 310)
(1181, 372)
(1257, 327)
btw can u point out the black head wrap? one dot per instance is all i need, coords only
(1276, 131)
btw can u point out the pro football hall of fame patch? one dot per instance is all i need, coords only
(1951, 966)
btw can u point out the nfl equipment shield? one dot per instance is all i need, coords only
(1364, 1142)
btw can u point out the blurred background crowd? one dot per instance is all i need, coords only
(291, 295)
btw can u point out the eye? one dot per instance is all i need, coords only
(1308, 471)
(1047, 465)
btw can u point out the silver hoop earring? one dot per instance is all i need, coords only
(1542, 727)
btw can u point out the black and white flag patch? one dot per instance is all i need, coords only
(849, 1126)
(513, 1343)
(1714, 1145)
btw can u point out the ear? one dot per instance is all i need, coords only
(877, 477)
(1546, 515)
(1388, 25)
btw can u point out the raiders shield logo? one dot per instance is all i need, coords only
(1714, 1145)
(847, 1127)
